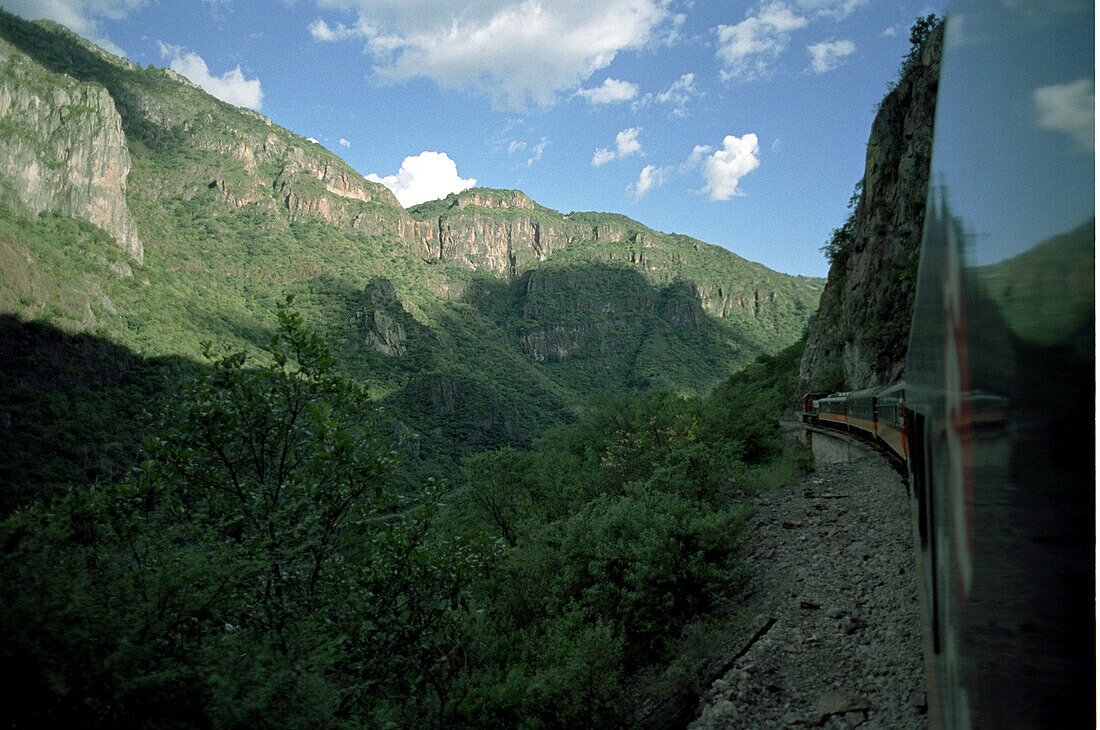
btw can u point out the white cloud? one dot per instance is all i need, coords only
(650, 177)
(427, 176)
(611, 91)
(231, 87)
(698, 154)
(626, 141)
(537, 150)
(519, 52)
(322, 31)
(724, 169)
(626, 144)
(679, 94)
(779, 17)
(312, 139)
(1069, 108)
(672, 35)
(681, 90)
(515, 146)
(344, 142)
(826, 56)
(838, 9)
(78, 16)
(748, 48)
(602, 156)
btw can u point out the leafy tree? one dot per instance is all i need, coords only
(495, 488)
(919, 34)
(255, 571)
(842, 239)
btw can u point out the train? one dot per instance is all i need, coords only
(1002, 608)
(875, 414)
(994, 421)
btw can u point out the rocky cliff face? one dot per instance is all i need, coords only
(256, 163)
(859, 336)
(565, 311)
(381, 318)
(62, 148)
(505, 232)
(502, 231)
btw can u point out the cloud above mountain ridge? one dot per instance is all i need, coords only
(424, 177)
(626, 144)
(231, 87)
(519, 53)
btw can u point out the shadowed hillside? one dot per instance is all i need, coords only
(200, 216)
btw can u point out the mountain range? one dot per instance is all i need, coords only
(141, 217)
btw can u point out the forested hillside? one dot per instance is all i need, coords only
(264, 568)
(141, 211)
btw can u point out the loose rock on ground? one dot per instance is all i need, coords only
(834, 595)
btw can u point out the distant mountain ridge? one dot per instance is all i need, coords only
(139, 208)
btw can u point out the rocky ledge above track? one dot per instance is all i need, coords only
(834, 593)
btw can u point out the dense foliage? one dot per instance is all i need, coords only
(259, 569)
(840, 242)
(624, 567)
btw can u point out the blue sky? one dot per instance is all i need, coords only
(743, 124)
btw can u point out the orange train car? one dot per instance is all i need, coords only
(890, 410)
(877, 414)
(859, 407)
(832, 411)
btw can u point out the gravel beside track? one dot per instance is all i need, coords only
(834, 595)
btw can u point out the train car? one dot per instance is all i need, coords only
(1000, 376)
(890, 420)
(833, 411)
(859, 405)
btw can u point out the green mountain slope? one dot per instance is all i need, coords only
(479, 320)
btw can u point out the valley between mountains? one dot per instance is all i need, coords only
(139, 209)
(281, 453)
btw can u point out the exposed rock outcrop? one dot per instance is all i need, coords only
(487, 243)
(566, 311)
(381, 318)
(504, 232)
(599, 310)
(859, 336)
(502, 199)
(62, 148)
(557, 342)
